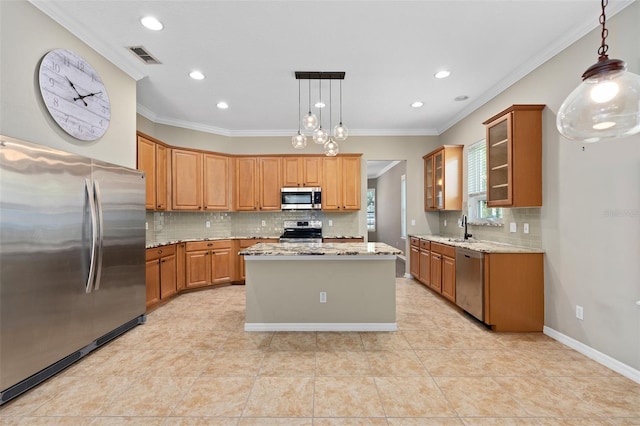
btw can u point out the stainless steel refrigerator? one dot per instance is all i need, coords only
(72, 259)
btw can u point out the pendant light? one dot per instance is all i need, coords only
(606, 104)
(320, 136)
(340, 132)
(310, 121)
(330, 146)
(299, 141)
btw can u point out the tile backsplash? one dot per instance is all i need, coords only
(168, 226)
(500, 234)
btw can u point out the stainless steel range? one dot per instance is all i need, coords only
(302, 231)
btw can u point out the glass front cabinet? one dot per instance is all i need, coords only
(443, 178)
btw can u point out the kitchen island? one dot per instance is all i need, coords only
(320, 287)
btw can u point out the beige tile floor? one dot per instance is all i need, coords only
(192, 364)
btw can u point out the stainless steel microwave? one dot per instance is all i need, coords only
(294, 198)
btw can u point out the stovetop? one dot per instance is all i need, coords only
(305, 229)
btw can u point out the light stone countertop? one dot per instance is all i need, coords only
(236, 237)
(479, 245)
(313, 249)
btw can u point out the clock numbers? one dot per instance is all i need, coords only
(81, 65)
(56, 68)
(65, 61)
(56, 102)
(51, 81)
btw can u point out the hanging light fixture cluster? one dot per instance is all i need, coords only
(311, 123)
(606, 104)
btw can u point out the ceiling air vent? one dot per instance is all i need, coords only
(144, 56)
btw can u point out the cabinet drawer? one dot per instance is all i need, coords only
(414, 241)
(444, 249)
(158, 252)
(425, 244)
(208, 245)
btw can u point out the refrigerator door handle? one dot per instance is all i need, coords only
(94, 235)
(98, 200)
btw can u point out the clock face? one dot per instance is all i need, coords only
(74, 95)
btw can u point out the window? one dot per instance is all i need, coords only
(477, 186)
(371, 209)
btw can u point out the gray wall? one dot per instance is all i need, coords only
(26, 35)
(590, 219)
(388, 206)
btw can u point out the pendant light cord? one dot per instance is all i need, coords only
(299, 102)
(341, 103)
(330, 107)
(602, 50)
(320, 90)
(309, 96)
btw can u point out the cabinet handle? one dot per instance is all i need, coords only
(162, 261)
(159, 251)
(159, 205)
(205, 207)
(209, 245)
(199, 208)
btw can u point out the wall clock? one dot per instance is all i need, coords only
(74, 94)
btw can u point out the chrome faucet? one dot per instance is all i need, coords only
(466, 234)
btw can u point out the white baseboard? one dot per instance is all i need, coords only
(321, 326)
(595, 355)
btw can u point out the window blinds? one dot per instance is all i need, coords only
(477, 168)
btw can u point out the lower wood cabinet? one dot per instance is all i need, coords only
(443, 270)
(208, 262)
(160, 273)
(414, 257)
(424, 275)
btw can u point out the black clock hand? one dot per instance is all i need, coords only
(91, 94)
(80, 97)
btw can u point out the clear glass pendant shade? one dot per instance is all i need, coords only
(340, 132)
(320, 136)
(299, 141)
(310, 121)
(331, 148)
(605, 106)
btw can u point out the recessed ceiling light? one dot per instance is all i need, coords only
(222, 105)
(151, 23)
(442, 74)
(196, 75)
(320, 105)
(461, 98)
(416, 104)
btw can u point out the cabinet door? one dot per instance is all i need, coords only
(351, 183)
(436, 272)
(161, 177)
(186, 176)
(216, 182)
(414, 260)
(246, 184)
(198, 268)
(153, 281)
(221, 266)
(449, 278)
(429, 203)
(331, 188)
(425, 267)
(270, 180)
(312, 171)
(499, 173)
(181, 273)
(147, 163)
(167, 276)
(438, 180)
(291, 171)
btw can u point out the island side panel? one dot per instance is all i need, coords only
(359, 290)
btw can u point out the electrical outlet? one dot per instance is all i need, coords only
(207, 224)
(146, 226)
(513, 227)
(264, 223)
(323, 297)
(330, 222)
(579, 312)
(413, 222)
(526, 228)
(445, 222)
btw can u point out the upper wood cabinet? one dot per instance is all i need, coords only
(200, 181)
(216, 182)
(514, 157)
(301, 171)
(186, 180)
(257, 183)
(152, 160)
(443, 178)
(341, 183)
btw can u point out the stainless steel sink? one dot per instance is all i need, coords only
(461, 240)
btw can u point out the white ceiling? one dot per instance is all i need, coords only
(249, 51)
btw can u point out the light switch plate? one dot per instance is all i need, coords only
(526, 228)
(513, 227)
(413, 222)
(207, 224)
(330, 222)
(445, 222)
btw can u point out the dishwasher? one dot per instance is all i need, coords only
(470, 281)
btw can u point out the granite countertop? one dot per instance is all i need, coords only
(330, 249)
(479, 245)
(236, 237)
